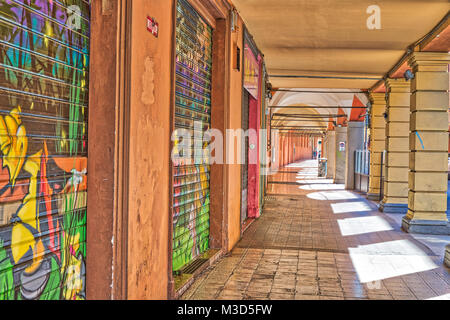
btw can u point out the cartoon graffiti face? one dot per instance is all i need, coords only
(13, 143)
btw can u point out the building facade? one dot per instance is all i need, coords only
(125, 170)
(106, 87)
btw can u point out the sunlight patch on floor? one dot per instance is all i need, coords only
(332, 195)
(304, 164)
(385, 260)
(308, 175)
(317, 181)
(443, 297)
(355, 226)
(323, 186)
(359, 206)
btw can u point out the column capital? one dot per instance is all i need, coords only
(398, 85)
(429, 61)
(377, 97)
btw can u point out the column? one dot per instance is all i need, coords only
(395, 198)
(427, 198)
(331, 154)
(285, 150)
(340, 158)
(288, 149)
(304, 147)
(291, 149)
(377, 143)
(355, 141)
(447, 256)
(325, 146)
(294, 148)
(322, 149)
(316, 146)
(280, 151)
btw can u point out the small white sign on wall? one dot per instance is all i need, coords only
(341, 146)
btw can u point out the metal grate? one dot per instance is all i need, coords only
(191, 171)
(44, 107)
(192, 267)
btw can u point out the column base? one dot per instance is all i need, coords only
(447, 256)
(339, 181)
(425, 226)
(393, 207)
(373, 196)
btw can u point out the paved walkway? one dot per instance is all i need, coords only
(317, 241)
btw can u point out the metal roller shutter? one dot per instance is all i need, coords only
(192, 103)
(44, 71)
(244, 170)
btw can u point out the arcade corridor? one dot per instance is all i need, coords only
(317, 241)
(160, 149)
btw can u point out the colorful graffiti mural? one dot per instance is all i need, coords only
(192, 104)
(251, 72)
(44, 71)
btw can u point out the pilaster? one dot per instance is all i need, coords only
(428, 142)
(331, 154)
(395, 197)
(340, 155)
(377, 143)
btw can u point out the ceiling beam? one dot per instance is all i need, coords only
(321, 92)
(322, 77)
(316, 107)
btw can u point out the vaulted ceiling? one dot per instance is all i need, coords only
(313, 110)
(327, 44)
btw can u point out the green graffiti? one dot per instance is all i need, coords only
(191, 242)
(6, 275)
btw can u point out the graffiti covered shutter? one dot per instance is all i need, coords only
(192, 110)
(44, 71)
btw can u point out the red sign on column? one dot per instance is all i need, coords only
(152, 26)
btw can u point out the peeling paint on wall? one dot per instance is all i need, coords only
(148, 85)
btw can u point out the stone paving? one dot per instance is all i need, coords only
(317, 241)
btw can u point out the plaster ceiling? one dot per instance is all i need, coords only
(317, 38)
